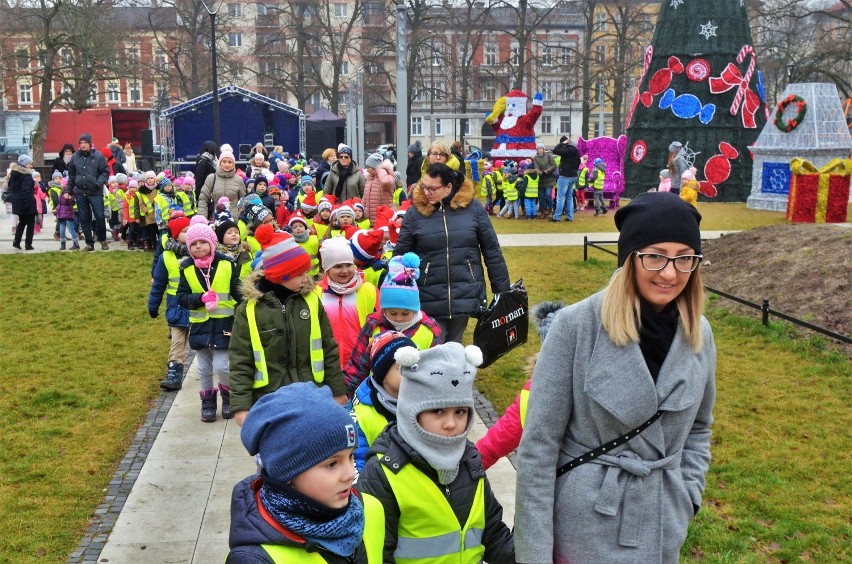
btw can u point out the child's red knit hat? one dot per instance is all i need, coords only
(281, 256)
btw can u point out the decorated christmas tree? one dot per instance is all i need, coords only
(701, 87)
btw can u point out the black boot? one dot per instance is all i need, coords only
(174, 377)
(208, 405)
(225, 391)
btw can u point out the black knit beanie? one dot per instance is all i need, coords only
(223, 226)
(382, 350)
(656, 217)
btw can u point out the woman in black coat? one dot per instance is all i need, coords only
(451, 233)
(205, 165)
(60, 163)
(22, 190)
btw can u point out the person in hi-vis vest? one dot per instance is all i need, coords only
(301, 507)
(281, 332)
(438, 505)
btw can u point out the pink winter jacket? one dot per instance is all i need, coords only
(505, 435)
(378, 190)
(665, 185)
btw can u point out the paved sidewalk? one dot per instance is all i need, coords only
(179, 507)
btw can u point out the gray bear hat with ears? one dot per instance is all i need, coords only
(436, 378)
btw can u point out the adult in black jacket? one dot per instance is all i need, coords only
(415, 160)
(60, 163)
(88, 173)
(21, 189)
(451, 233)
(205, 165)
(569, 163)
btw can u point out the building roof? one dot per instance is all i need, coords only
(225, 92)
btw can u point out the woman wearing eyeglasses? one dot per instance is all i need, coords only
(344, 179)
(439, 153)
(451, 233)
(616, 442)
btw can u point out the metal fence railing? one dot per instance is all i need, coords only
(764, 308)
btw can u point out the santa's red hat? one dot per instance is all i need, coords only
(366, 246)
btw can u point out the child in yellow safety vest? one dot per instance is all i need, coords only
(228, 235)
(306, 239)
(505, 436)
(210, 289)
(374, 403)
(301, 507)
(399, 300)
(165, 281)
(281, 332)
(438, 504)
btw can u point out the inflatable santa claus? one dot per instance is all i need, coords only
(514, 126)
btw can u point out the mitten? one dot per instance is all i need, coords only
(208, 296)
(153, 313)
(538, 99)
(211, 306)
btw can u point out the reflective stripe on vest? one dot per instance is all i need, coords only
(525, 400)
(371, 422)
(311, 246)
(365, 300)
(423, 337)
(221, 285)
(397, 194)
(510, 190)
(281, 554)
(172, 264)
(531, 190)
(428, 530)
(261, 371)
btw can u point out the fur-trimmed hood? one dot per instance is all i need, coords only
(460, 198)
(251, 291)
(15, 167)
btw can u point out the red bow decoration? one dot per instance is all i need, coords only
(732, 78)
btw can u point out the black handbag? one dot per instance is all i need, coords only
(504, 324)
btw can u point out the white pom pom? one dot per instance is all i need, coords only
(473, 354)
(408, 356)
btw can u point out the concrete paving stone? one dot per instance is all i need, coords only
(194, 426)
(233, 447)
(171, 498)
(234, 468)
(211, 550)
(186, 446)
(217, 516)
(166, 472)
(172, 552)
(165, 525)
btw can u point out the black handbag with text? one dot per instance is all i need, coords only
(504, 325)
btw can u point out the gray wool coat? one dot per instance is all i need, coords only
(633, 504)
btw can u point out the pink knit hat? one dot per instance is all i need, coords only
(227, 155)
(201, 232)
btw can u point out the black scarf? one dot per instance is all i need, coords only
(656, 335)
(343, 174)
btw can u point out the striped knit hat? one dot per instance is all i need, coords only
(281, 256)
(366, 246)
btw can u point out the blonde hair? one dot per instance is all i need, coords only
(328, 153)
(439, 146)
(620, 311)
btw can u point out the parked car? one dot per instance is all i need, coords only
(471, 148)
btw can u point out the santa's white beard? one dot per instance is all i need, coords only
(509, 122)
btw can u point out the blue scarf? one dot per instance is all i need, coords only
(336, 530)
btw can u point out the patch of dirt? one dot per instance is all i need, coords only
(805, 270)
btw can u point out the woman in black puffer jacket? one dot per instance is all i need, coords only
(21, 190)
(451, 233)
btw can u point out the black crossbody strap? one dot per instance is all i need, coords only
(604, 448)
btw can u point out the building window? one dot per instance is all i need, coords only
(135, 92)
(133, 56)
(546, 124)
(235, 39)
(417, 95)
(92, 97)
(514, 55)
(565, 125)
(162, 93)
(546, 55)
(490, 54)
(68, 57)
(22, 56)
(341, 10)
(600, 22)
(466, 127)
(235, 10)
(25, 94)
(565, 55)
(160, 60)
(600, 53)
(112, 92)
(344, 68)
(489, 90)
(546, 90)
(436, 58)
(262, 10)
(416, 126)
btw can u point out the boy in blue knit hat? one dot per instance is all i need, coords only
(302, 501)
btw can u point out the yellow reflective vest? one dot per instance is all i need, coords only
(598, 184)
(371, 422)
(510, 190)
(524, 403)
(261, 372)
(428, 531)
(531, 190)
(172, 264)
(373, 539)
(311, 247)
(423, 337)
(221, 284)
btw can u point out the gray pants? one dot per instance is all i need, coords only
(452, 329)
(600, 205)
(212, 361)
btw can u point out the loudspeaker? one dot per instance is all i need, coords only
(147, 142)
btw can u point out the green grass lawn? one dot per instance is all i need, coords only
(82, 360)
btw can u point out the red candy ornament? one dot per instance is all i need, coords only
(717, 169)
(697, 70)
(661, 81)
(639, 151)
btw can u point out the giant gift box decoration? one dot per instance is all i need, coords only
(819, 195)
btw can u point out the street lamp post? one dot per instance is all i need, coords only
(214, 69)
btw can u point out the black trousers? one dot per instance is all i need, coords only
(25, 221)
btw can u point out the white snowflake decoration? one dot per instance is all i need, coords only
(779, 181)
(689, 155)
(708, 30)
(676, 3)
